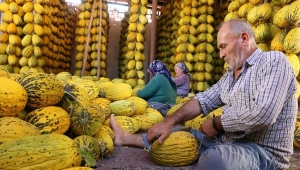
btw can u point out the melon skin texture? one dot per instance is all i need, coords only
(13, 97)
(179, 149)
(49, 151)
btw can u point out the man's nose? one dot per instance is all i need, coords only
(222, 54)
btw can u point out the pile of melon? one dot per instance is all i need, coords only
(47, 118)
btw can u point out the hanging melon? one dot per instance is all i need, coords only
(264, 11)
(294, 61)
(280, 19)
(262, 32)
(278, 40)
(291, 42)
(293, 14)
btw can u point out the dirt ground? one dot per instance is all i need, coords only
(295, 160)
(130, 158)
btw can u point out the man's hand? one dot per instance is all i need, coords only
(160, 131)
(208, 129)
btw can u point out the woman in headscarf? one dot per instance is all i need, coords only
(182, 79)
(160, 92)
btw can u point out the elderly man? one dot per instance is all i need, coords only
(258, 95)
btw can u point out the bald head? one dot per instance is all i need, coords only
(237, 27)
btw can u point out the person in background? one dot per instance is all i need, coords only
(160, 92)
(182, 79)
(257, 94)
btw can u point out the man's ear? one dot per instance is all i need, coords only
(244, 36)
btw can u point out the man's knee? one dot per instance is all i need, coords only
(229, 157)
(212, 159)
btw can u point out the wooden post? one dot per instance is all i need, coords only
(99, 41)
(73, 53)
(153, 31)
(153, 34)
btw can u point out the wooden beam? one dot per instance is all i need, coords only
(153, 31)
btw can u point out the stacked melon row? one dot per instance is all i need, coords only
(222, 9)
(167, 34)
(57, 46)
(218, 63)
(10, 38)
(205, 52)
(91, 38)
(131, 59)
(123, 44)
(190, 39)
(276, 25)
(186, 41)
(288, 39)
(16, 47)
(33, 36)
(218, 67)
(167, 31)
(168, 25)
